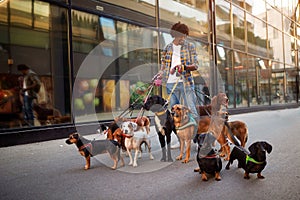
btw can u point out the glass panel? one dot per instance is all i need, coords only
(289, 43)
(47, 44)
(201, 77)
(264, 77)
(276, 45)
(4, 12)
(277, 89)
(252, 74)
(238, 28)
(274, 17)
(193, 14)
(240, 74)
(223, 23)
(20, 12)
(114, 64)
(291, 85)
(239, 3)
(256, 36)
(258, 9)
(143, 6)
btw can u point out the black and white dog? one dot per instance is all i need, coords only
(163, 123)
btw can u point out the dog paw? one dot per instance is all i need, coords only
(179, 158)
(246, 176)
(151, 157)
(260, 176)
(113, 167)
(197, 170)
(217, 176)
(135, 165)
(185, 161)
(130, 163)
(86, 167)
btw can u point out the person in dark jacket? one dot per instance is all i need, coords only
(30, 87)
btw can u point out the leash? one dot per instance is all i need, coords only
(231, 134)
(173, 89)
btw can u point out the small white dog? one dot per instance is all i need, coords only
(133, 140)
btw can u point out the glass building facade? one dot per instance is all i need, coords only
(95, 58)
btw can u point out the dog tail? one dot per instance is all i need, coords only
(234, 140)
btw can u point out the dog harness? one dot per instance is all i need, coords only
(249, 159)
(88, 145)
(192, 122)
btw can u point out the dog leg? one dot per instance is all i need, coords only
(187, 152)
(181, 150)
(149, 150)
(217, 176)
(260, 176)
(130, 157)
(204, 177)
(88, 162)
(246, 175)
(135, 158)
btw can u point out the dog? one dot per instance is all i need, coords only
(113, 131)
(209, 162)
(253, 162)
(142, 122)
(217, 123)
(88, 149)
(164, 124)
(185, 126)
(133, 141)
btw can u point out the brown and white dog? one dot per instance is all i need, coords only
(133, 141)
(113, 132)
(185, 127)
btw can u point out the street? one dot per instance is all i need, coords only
(54, 170)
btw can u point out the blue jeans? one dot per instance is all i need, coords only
(27, 108)
(188, 95)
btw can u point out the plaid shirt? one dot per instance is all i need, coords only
(188, 56)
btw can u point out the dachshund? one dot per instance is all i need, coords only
(253, 162)
(209, 162)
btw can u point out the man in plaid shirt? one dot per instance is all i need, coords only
(178, 59)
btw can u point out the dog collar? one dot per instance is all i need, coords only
(85, 146)
(160, 113)
(127, 136)
(249, 159)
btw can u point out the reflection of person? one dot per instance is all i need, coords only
(206, 93)
(30, 87)
(199, 85)
(179, 58)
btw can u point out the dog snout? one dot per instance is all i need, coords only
(68, 141)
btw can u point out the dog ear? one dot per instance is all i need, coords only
(253, 148)
(267, 147)
(134, 125)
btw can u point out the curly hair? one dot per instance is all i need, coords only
(179, 29)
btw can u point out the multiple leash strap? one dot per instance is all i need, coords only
(231, 134)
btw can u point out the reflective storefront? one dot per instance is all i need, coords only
(96, 58)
